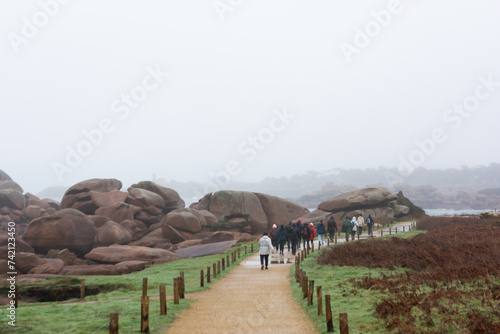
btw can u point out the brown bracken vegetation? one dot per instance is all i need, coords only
(451, 284)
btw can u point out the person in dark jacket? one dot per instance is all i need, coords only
(332, 227)
(299, 228)
(289, 230)
(370, 223)
(321, 230)
(294, 238)
(281, 236)
(347, 228)
(306, 235)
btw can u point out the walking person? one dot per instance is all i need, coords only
(289, 230)
(321, 230)
(273, 237)
(361, 223)
(294, 238)
(332, 227)
(299, 227)
(306, 236)
(265, 248)
(313, 233)
(369, 224)
(347, 228)
(281, 236)
(354, 229)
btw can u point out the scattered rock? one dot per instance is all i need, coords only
(116, 253)
(185, 221)
(218, 237)
(172, 234)
(67, 228)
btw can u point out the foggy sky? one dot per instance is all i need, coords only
(254, 88)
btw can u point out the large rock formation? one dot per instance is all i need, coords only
(80, 196)
(257, 211)
(377, 201)
(171, 197)
(67, 228)
(117, 253)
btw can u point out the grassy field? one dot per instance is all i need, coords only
(345, 297)
(449, 284)
(92, 316)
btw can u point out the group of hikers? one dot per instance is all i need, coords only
(293, 233)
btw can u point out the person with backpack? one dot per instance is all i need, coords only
(306, 235)
(281, 236)
(361, 224)
(313, 233)
(273, 238)
(347, 228)
(332, 227)
(354, 229)
(321, 229)
(369, 224)
(289, 230)
(299, 228)
(294, 238)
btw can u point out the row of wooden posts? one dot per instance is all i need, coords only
(178, 290)
(308, 288)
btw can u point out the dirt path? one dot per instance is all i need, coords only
(250, 300)
(247, 300)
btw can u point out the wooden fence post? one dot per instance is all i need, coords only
(176, 290)
(302, 256)
(343, 323)
(208, 275)
(328, 310)
(404, 228)
(227, 261)
(113, 323)
(239, 253)
(82, 289)
(319, 296)
(311, 293)
(202, 279)
(304, 285)
(163, 300)
(223, 264)
(390, 230)
(218, 267)
(182, 286)
(251, 248)
(144, 286)
(214, 268)
(144, 314)
(396, 230)
(382, 233)
(245, 250)
(335, 240)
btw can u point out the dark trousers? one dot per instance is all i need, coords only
(294, 247)
(332, 234)
(264, 258)
(305, 240)
(369, 230)
(347, 237)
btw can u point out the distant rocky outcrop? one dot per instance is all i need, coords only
(377, 201)
(256, 211)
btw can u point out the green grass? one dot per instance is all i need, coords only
(67, 317)
(345, 298)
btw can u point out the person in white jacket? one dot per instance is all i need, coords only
(265, 248)
(361, 223)
(354, 224)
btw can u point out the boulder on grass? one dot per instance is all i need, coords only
(116, 253)
(67, 228)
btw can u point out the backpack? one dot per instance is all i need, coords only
(305, 231)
